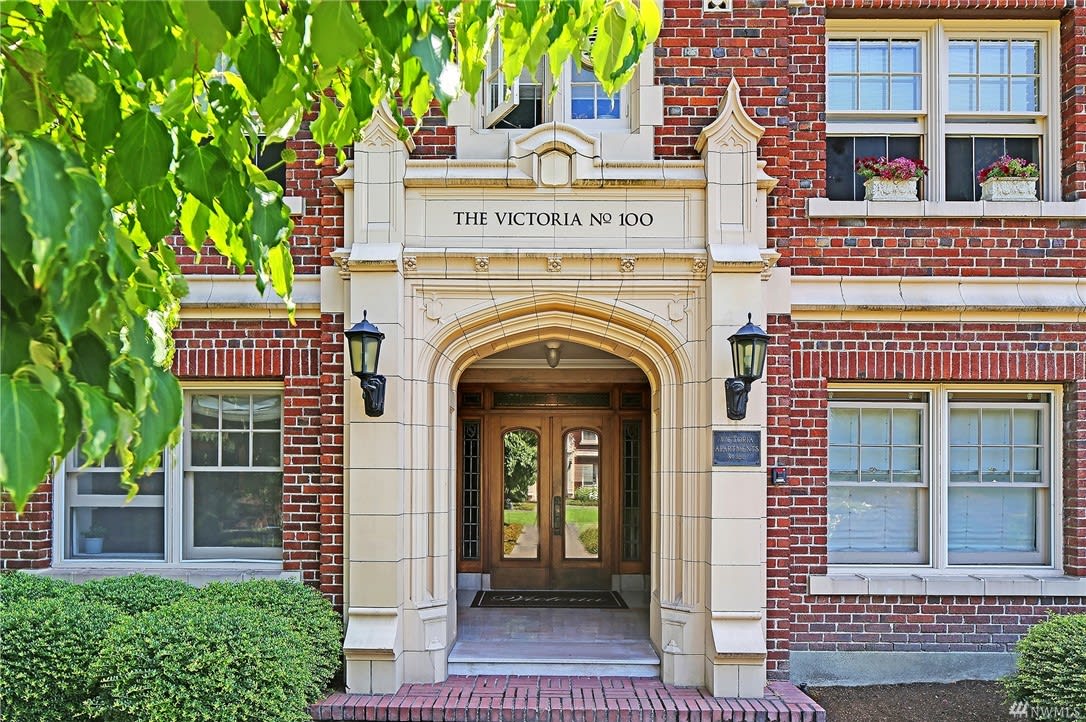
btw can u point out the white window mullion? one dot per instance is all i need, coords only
(937, 101)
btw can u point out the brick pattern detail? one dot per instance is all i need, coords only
(26, 541)
(566, 699)
(248, 350)
(332, 408)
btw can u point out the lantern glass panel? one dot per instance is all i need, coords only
(355, 343)
(371, 347)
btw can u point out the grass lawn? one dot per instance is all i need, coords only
(579, 515)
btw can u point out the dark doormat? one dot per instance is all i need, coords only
(549, 599)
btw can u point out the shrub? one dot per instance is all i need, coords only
(49, 645)
(590, 538)
(18, 587)
(587, 494)
(136, 593)
(304, 610)
(195, 661)
(1052, 667)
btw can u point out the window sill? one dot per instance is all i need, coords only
(928, 582)
(195, 573)
(825, 208)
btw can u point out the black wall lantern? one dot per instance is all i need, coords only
(364, 343)
(748, 360)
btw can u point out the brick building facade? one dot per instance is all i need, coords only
(925, 389)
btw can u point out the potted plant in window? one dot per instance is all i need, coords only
(1009, 179)
(93, 538)
(890, 179)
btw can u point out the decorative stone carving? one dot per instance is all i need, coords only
(482, 264)
(885, 189)
(554, 264)
(627, 264)
(433, 308)
(676, 309)
(1009, 189)
(410, 264)
(699, 266)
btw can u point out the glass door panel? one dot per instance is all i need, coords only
(581, 485)
(520, 515)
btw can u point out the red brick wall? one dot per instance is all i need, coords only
(26, 541)
(1072, 81)
(332, 404)
(924, 352)
(230, 351)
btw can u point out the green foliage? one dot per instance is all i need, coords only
(194, 661)
(590, 494)
(590, 538)
(50, 645)
(17, 588)
(301, 608)
(521, 454)
(1051, 667)
(135, 593)
(122, 121)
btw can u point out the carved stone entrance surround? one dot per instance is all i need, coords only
(663, 290)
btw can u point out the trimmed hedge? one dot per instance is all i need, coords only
(303, 608)
(49, 646)
(18, 587)
(197, 661)
(135, 593)
(1051, 665)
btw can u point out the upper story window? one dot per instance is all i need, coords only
(579, 100)
(941, 477)
(956, 94)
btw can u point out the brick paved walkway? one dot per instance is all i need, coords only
(566, 699)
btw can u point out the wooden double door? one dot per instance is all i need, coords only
(553, 483)
(552, 504)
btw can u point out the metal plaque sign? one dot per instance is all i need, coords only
(737, 448)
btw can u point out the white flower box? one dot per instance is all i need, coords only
(885, 189)
(1009, 189)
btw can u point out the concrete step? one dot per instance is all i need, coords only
(628, 658)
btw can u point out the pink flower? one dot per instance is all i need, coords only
(1007, 167)
(900, 168)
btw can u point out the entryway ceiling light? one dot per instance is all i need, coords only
(554, 353)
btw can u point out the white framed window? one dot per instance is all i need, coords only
(956, 94)
(942, 476)
(580, 99)
(216, 498)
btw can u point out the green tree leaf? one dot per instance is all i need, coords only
(31, 419)
(22, 107)
(258, 63)
(206, 24)
(45, 197)
(144, 151)
(336, 32)
(230, 13)
(201, 172)
(160, 421)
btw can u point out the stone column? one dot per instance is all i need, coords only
(374, 451)
(734, 530)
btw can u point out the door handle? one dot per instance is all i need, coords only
(556, 516)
